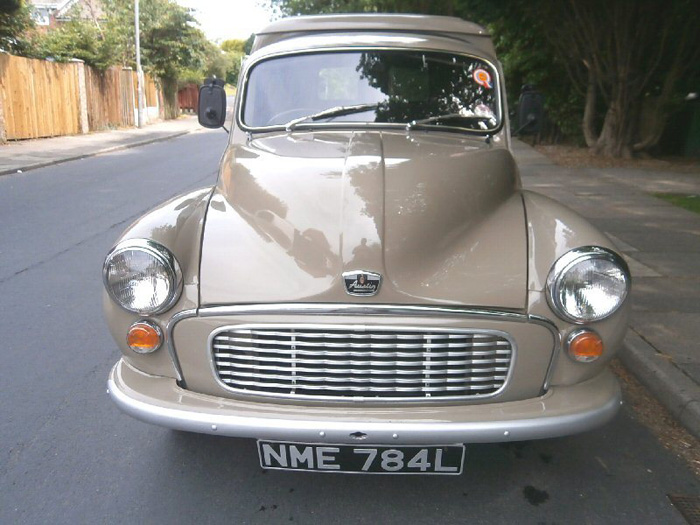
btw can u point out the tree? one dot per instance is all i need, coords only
(169, 38)
(81, 39)
(170, 41)
(248, 48)
(234, 69)
(11, 6)
(309, 7)
(16, 25)
(172, 46)
(604, 60)
(529, 57)
(215, 61)
(525, 52)
(235, 51)
(625, 52)
(233, 46)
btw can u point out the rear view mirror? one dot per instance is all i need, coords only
(530, 112)
(212, 103)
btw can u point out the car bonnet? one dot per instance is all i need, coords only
(438, 215)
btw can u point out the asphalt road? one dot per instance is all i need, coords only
(69, 456)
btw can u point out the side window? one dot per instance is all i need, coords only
(337, 83)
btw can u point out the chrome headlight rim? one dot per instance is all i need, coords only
(571, 259)
(163, 256)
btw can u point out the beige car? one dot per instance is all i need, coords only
(367, 287)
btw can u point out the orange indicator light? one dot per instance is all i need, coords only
(144, 337)
(585, 346)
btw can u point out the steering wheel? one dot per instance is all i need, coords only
(282, 118)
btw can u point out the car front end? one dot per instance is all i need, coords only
(367, 278)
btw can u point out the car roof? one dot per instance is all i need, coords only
(427, 26)
(374, 22)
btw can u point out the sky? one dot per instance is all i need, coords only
(224, 19)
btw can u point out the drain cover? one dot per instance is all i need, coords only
(688, 506)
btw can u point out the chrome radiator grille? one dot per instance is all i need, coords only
(365, 362)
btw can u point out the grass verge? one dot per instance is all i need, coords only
(689, 202)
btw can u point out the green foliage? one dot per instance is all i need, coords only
(189, 76)
(233, 46)
(234, 68)
(173, 48)
(16, 24)
(310, 7)
(235, 51)
(220, 64)
(528, 57)
(170, 41)
(248, 48)
(214, 61)
(689, 202)
(520, 38)
(75, 39)
(12, 6)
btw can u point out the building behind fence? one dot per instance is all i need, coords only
(39, 98)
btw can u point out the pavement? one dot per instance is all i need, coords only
(24, 155)
(661, 243)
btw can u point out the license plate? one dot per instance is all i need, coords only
(362, 459)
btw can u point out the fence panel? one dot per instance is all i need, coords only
(150, 92)
(110, 98)
(188, 97)
(39, 98)
(42, 99)
(127, 96)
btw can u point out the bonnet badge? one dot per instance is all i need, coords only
(360, 282)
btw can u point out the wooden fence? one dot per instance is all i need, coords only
(150, 91)
(39, 98)
(188, 97)
(110, 98)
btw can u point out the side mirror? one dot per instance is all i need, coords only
(212, 103)
(530, 112)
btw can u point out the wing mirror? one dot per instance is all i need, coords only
(530, 111)
(212, 103)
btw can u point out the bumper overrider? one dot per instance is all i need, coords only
(561, 411)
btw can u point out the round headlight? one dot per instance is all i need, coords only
(142, 276)
(588, 284)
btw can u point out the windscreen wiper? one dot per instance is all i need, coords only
(446, 116)
(337, 111)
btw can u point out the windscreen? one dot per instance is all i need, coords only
(448, 90)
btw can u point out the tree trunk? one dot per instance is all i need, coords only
(171, 108)
(622, 116)
(616, 137)
(660, 114)
(589, 132)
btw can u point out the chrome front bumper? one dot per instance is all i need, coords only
(562, 411)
